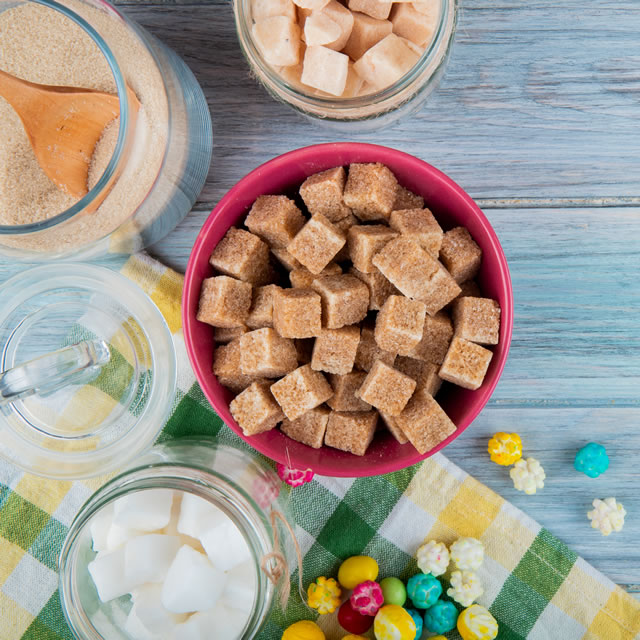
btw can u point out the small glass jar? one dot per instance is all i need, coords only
(367, 112)
(245, 489)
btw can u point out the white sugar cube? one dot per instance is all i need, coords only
(135, 629)
(278, 39)
(174, 515)
(108, 575)
(149, 610)
(225, 546)
(320, 29)
(192, 582)
(241, 584)
(314, 5)
(343, 18)
(261, 9)
(325, 69)
(228, 624)
(414, 25)
(386, 62)
(144, 510)
(99, 527)
(148, 558)
(118, 536)
(198, 515)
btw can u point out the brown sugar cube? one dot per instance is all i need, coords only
(308, 428)
(344, 225)
(322, 193)
(477, 319)
(366, 32)
(242, 255)
(264, 353)
(297, 313)
(414, 25)
(224, 335)
(424, 373)
(436, 337)
(419, 225)
(392, 426)
(344, 392)
(379, 287)
(261, 311)
(364, 241)
(276, 219)
(334, 350)
(465, 364)
(302, 278)
(405, 199)
(468, 288)
(300, 391)
(255, 410)
(317, 243)
(416, 273)
(351, 431)
(375, 8)
(286, 259)
(386, 388)
(345, 300)
(460, 254)
(304, 349)
(226, 367)
(224, 302)
(425, 423)
(399, 324)
(370, 191)
(369, 351)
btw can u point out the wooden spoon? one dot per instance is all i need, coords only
(63, 125)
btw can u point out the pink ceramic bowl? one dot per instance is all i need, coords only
(451, 206)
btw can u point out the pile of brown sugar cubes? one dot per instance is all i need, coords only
(343, 49)
(380, 307)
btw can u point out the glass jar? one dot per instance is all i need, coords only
(366, 112)
(149, 166)
(239, 484)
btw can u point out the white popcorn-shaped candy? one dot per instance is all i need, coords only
(343, 18)
(433, 557)
(192, 583)
(314, 5)
(150, 612)
(225, 546)
(148, 510)
(99, 527)
(198, 515)
(386, 62)
(467, 553)
(241, 585)
(261, 9)
(148, 558)
(465, 588)
(278, 39)
(607, 515)
(325, 69)
(320, 29)
(527, 475)
(108, 575)
(413, 25)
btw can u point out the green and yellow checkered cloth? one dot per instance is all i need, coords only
(535, 586)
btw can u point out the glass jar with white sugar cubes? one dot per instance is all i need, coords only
(348, 62)
(172, 548)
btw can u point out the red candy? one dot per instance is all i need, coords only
(353, 621)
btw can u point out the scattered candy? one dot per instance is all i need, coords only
(527, 475)
(592, 459)
(437, 638)
(505, 448)
(294, 477)
(433, 557)
(417, 618)
(357, 569)
(352, 637)
(367, 598)
(476, 623)
(424, 590)
(303, 630)
(324, 595)
(607, 515)
(465, 588)
(441, 617)
(353, 621)
(394, 591)
(394, 623)
(467, 553)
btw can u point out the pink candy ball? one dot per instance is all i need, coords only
(294, 477)
(367, 598)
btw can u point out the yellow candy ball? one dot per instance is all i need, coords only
(392, 622)
(303, 630)
(357, 569)
(505, 448)
(438, 638)
(352, 637)
(476, 623)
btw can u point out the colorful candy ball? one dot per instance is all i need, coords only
(353, 621)
(433, 557)
(505, 448)
(324, 595)
(303, 630)
(394, 623)
(394, 591)
(476, 623)
(352, 637)
(417, 618)
(357, 569)
(424, 590)
(367, 598)
(592, 459)
(467, 553)
(441, 617)
(294, 477)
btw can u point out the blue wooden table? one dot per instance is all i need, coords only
(538, 118)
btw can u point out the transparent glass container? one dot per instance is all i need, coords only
(161, 154)
(232, 480)
(368, 112)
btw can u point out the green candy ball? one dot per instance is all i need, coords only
(394, 591)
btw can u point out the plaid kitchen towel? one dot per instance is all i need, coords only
(535, 586)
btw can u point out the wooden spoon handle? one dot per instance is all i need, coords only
(19, 93)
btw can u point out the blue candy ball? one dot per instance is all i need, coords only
(417, 618)
(424, 590)
(441, 617)
(592, 459)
